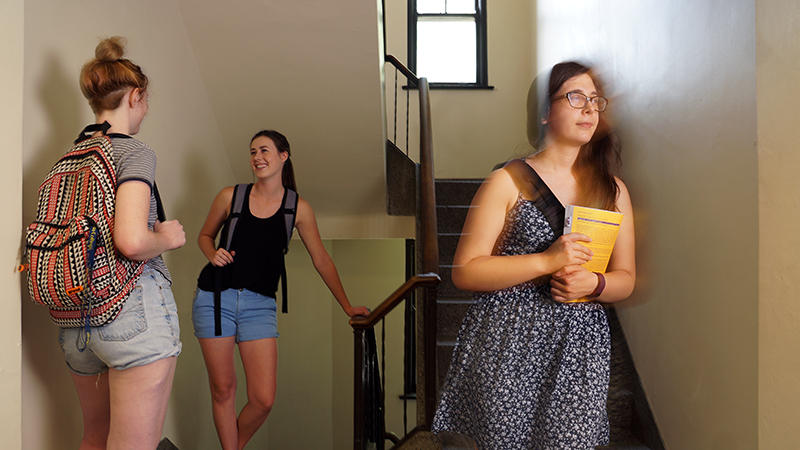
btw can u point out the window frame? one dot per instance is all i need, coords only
(481, 60)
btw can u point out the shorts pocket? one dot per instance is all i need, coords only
(130, 322)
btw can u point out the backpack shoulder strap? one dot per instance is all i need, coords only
(289, 213)
(92, 129)
(237, 203)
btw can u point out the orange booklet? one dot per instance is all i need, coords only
(600, 225)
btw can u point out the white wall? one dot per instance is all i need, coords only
(684, 95)
(11, 78)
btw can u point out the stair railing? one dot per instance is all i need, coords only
(427, 280)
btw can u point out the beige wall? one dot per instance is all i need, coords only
(713, 320)
(778, 66)
(685, 99)
(11, 78)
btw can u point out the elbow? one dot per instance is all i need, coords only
(129, 246)
(459, 279)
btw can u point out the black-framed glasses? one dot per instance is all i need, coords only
(579, 101)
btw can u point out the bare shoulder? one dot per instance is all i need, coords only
(226, 193)
(499, 186)
(304, 210)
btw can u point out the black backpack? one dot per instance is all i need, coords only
(289, 206)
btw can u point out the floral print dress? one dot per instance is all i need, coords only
(528, 372)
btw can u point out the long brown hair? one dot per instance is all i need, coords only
(599, 160)
(107, 78)
(287, 174)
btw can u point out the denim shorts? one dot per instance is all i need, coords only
(244, 314)
(146, 330)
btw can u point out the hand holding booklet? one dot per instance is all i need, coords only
(600, 225)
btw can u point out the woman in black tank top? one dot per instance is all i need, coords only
(258, 242)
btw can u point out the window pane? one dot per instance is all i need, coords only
(446, 50)
(430, 7)
(460, 6)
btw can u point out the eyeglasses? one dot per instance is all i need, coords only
(579, 101)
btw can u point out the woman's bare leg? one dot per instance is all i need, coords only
(218, 356)
(95, 407)
(139, 398)
(260, 361)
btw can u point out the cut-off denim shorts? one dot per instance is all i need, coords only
(244, 314)
(146, 330)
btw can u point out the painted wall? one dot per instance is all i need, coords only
(11, 78)
(777, 64)
(684, 95)
(713, 320)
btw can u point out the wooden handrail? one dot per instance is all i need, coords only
(422, 280)
(402, 68)
(429, 279)
(428, 223)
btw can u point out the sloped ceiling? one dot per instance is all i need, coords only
(309, 69)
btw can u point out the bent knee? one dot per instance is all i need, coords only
(262, 403)
(223, 390)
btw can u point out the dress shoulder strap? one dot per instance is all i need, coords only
(530, 183)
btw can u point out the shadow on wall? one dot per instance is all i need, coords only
(43, 362)
(190, 403)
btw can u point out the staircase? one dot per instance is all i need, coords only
(453, 198)
(632, 423)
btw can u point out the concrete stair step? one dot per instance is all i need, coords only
(622, 439)
(447, 289)
(450, 219)
(447, 247)
(425, 440)
(456, 191)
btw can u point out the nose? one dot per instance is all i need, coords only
(590, 107)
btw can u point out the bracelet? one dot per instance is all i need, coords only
(601, 284)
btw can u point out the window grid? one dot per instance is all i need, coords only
(479, 18)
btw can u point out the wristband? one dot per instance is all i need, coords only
(601, 284)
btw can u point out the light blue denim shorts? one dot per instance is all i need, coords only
(244, 314)
(146, 330)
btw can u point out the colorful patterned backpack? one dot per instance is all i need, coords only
(75, 269)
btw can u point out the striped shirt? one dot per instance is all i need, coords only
(136, 161)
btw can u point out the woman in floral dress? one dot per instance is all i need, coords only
(531, 364)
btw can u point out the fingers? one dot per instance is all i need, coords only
(566, 271)
(222, 257)
(574, 237)
(575, 253)
(359, 311)
(572, 282)
(174, 232)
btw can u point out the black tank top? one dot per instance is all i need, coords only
(259, 245)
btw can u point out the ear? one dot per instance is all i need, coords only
(131, 97)
(284, 156)
(134, 96)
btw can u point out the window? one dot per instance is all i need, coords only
(447, 42)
